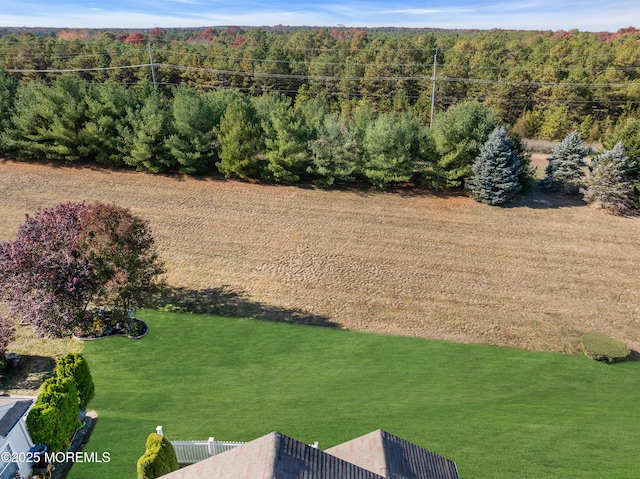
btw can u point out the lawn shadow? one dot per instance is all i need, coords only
(29, 373)
(634, 356)
(224, 301)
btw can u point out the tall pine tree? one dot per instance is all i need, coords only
(8, 87)
(460, 133)
(610, 181)
(240, 135)
(285, 144)
(391, 150)
(146, 136)
(496, 170)
(193, 139)
(335, 153)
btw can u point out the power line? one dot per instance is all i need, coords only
(77, 70)
(325, 77)
(345, 64)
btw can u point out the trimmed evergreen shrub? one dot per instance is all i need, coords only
(601, 347)
(158, 459)
(496, 171)
(74, 366)
(54, 416)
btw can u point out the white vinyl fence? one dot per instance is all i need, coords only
(190, 452)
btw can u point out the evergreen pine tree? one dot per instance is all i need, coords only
(240, 138)
(146, 136)
(8, 87)
(335, 152)
(496, 170)
(46, 120)
(610, 180)
(565, 170)
(193, 138)
(101, 135)
(285, 144)
(390, 150)
(459, 134)
(628, 132)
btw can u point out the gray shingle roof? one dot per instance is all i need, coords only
(13, 415)
(394, 458)
(274, 456)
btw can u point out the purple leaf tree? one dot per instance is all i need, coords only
(74, 256)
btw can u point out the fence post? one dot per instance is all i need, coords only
(212, 447)
(159, 430)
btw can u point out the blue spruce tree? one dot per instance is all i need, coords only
(496, 170)
(610, 181)
(566, 168)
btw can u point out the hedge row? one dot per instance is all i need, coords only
(74, 366)
(54, 417)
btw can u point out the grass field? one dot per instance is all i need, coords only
(534, 275)
(499, 413)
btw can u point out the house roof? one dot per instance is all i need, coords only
(11, 411)
(394, 458)
(274, 456)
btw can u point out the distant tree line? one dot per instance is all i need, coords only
(545, 84)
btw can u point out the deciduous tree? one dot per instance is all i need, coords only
(73, 256)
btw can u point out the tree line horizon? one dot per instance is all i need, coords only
(542, 84)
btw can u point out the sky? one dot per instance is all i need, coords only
(584, 15)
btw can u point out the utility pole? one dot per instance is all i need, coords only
(153, 70)
(433, 105)
(433, 87)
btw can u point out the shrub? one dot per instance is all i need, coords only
(601, 347)
(158, 459)
(74, 366)
(54, 416)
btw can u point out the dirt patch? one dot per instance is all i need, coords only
(26, 378)
(534, 275)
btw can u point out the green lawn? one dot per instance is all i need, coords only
(498, 413)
